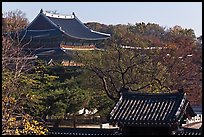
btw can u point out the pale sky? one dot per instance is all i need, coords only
(167, 14)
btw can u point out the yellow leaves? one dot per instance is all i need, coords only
(17, 132)
(24, 126)
(5, 99)
(31, 127)
(12, 119)
(35, 122)
(12, 100)
(8, 101)
(11, 122)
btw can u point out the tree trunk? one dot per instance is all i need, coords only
(74, 121)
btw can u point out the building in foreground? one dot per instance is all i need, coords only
(151, 114)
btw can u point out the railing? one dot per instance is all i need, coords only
(71, 63)
(78, 47)
(79, 122)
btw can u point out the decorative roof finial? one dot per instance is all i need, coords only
(41, 11)
(73, 14)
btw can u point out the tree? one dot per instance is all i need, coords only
(13, 21)
(16, 93)
(129, 62)
(16, 85)
(185, 71)
(57, 93)
(120, 68)
(149, 29)
(60, 92)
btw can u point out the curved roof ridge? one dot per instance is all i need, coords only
(61, 16)
(100, 32)
(136, 94)
(91, 29)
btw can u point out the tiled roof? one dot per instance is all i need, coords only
(83, 131)
(76, 29)
(150, 109)
(46, 33)
(48, 53)
(71, 27)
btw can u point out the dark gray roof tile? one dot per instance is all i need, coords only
(75, 28)
(150, 108)
(71, 27)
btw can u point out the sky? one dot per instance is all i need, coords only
(167, 14)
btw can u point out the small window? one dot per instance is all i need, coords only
(68, 43)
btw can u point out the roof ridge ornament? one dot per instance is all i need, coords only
(57, 15)
(41, 11)
(73, 14)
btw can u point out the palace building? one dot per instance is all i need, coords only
(54, 35)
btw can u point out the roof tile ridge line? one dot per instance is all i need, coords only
(89, 28)
(182, 108)
(33, 20)
(180, 99)
(82, 38)
(63, 16)
(120, 100)
(152, 94)
(42, 30)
